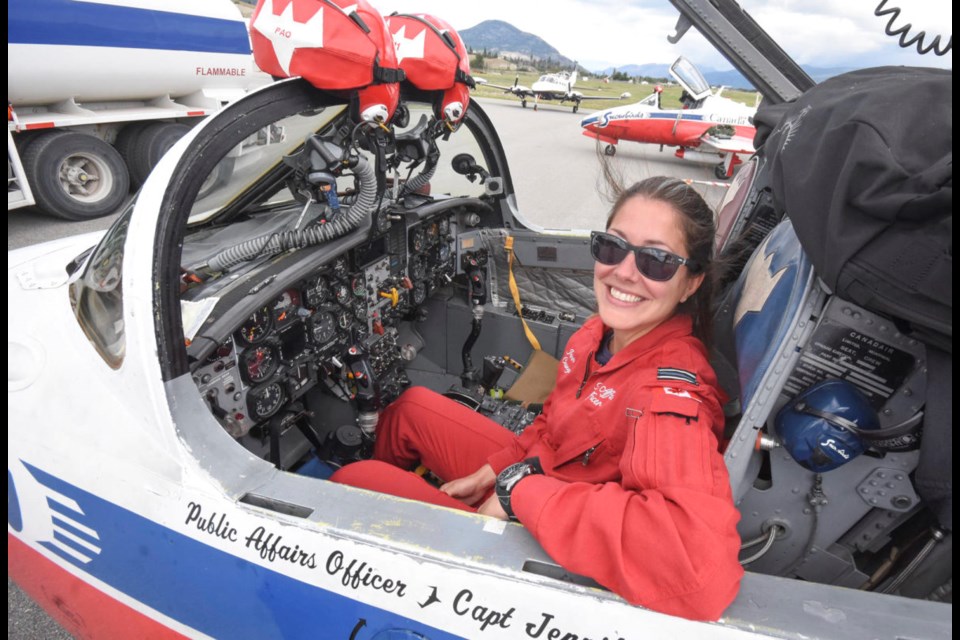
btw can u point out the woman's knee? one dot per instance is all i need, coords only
(365, 474)
(416, 395)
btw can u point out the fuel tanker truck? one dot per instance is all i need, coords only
(99, 90)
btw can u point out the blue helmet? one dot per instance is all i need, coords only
(825, 426)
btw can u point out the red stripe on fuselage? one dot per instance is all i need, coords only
(83, 610)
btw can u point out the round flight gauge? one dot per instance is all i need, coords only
(342, 293)
(286, 304)
(417, 268)
(340, 267)
(257, 326)
(444, 252)
(324, 327)
(433, 232)
(265, 401)
(419, 293)
(258, 363)
(344, 320)
(382, 221)
(222, 351)
(416, 240)
(359, 289)
(360, 310)
(318, 293)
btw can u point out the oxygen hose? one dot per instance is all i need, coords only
(420, 180)
(280, 241)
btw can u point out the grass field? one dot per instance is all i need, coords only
(669, 100)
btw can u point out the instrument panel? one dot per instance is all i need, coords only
(333, 329)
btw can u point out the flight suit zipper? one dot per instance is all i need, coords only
(586, 456)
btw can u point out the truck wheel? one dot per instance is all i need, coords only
(610, 150)
(148, 147)
(720, 171)
(75, 176)
(125, 143)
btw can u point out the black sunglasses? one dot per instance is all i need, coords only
(655, 264)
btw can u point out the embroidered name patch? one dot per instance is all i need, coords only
(669, 373)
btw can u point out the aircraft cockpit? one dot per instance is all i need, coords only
(695, 86)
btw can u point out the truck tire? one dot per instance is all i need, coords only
(125, 143)
(75, 176)
(150, 145)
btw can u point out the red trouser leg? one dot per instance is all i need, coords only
(386, 478)
(422, 426)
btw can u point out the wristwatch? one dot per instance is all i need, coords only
(510, 476)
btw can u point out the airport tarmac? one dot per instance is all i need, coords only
(557, 176)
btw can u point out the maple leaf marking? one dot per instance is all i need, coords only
(759, 285)
(286, 34)
(408, 47)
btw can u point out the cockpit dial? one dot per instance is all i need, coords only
(417, 268)
(419, 293)
(416, 240)
(341, 268)
(259, 363)
(257, 326)
(318, 293)
(286, 304)
(360, 310)
(342, 294)
(265, 401)
(324, 327)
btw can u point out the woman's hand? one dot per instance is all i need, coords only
(491, 507)
(471, 488)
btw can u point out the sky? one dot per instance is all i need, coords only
(604, 33)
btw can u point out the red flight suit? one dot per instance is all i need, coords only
(634, 494)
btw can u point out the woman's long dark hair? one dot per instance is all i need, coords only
(699, 231)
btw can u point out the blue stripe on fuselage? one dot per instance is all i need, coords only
(92, 24)
(212, 591)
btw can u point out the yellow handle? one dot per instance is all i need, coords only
(393, 296)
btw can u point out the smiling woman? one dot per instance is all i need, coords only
(633, 369)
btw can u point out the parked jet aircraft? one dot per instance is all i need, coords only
(553, 86)
(708, 128)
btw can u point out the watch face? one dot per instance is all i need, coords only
(509, 476)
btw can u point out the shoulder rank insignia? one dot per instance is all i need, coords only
(668, 373)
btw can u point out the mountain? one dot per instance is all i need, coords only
(503, 37)
(715, 78)
(500, 36)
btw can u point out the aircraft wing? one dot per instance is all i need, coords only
(733, 144)
(620, 97)
(515, 90)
